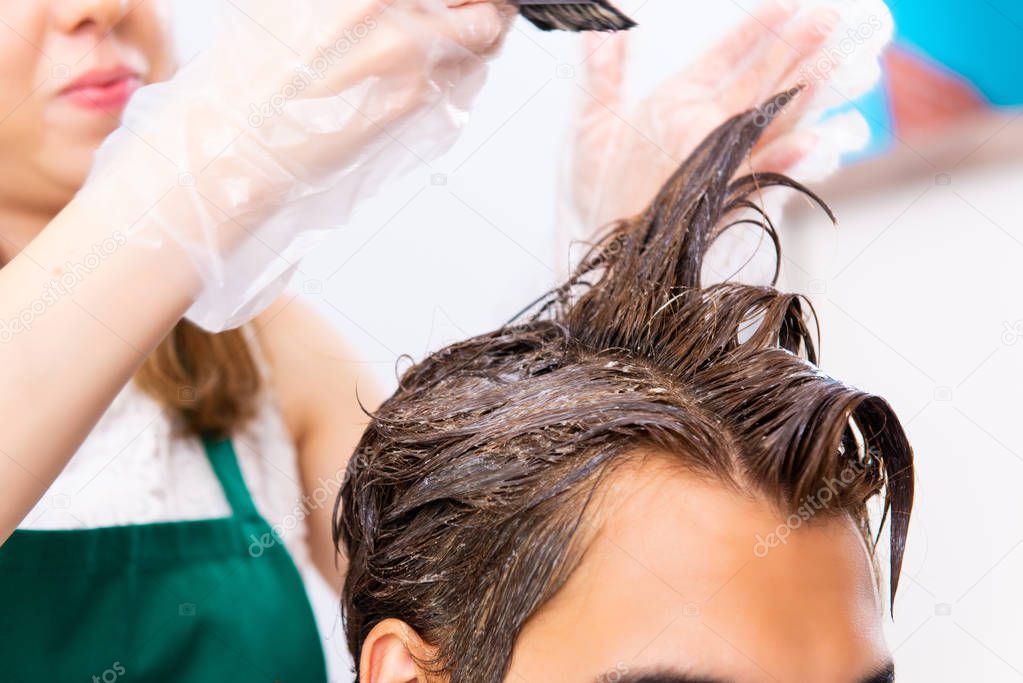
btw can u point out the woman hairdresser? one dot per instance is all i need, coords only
(147, 553)
(141, 546)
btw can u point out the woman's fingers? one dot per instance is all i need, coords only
(809, 38)
(598, 128)
(478, 25)
(782, 154)
(761, 28)
(604, 74)
(777, 68)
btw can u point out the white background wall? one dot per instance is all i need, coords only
(914, 291)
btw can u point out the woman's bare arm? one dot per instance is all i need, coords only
(80, 309)
(320, 382)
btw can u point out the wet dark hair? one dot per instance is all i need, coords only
(462, 506)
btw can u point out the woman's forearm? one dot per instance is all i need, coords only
(80, 309)
(216, 156)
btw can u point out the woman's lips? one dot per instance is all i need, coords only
(103, 90)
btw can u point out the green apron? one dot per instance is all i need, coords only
(207, 601)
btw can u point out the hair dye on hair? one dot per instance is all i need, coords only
(462, 507)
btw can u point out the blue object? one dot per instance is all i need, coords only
(977, 40)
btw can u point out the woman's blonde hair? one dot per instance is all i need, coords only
(211, 381)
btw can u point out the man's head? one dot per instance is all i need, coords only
(643, 480)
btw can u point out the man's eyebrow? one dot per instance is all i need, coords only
(668, 677)
(886, 674)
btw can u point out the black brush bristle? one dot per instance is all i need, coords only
(594, 15)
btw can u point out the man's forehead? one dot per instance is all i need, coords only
(690, 581)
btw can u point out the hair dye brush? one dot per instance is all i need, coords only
(574, 15)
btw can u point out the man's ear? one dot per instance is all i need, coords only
(390, 654)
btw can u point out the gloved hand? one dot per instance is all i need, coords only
(622, 153)
(273, 136)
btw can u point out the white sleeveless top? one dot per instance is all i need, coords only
(134, 469)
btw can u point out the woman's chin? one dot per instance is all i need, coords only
(66, 165)
(77, 126)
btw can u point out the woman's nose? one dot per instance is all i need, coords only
(100, 15)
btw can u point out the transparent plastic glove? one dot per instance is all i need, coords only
(622, 153)
(270, 138)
